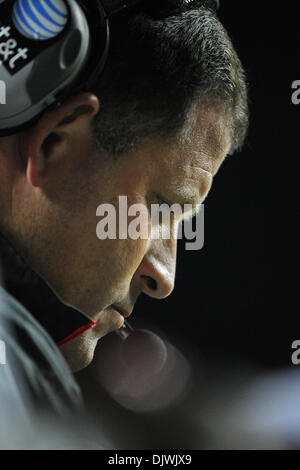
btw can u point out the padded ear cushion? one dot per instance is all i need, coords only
(98, 22)
(52, 49)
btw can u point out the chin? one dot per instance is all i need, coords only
(79, 353)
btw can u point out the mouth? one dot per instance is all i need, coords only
(124, 312)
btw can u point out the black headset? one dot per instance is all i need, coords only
(52, 48)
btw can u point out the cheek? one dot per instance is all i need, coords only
(130, 255)
(131, 231)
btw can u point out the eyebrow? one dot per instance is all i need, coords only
(185, 200)
(191, 214)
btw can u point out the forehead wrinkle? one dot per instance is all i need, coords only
(191, 184)
(182, 184)
(189, 193)
(210, 157)
(208, 135)
(200, 169)
(198, 152)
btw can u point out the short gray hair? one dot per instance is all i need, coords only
(157, 69)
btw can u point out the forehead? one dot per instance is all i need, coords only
(205, 140)
(198, 152)
(182, 169)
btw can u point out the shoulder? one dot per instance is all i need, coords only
(35, 370)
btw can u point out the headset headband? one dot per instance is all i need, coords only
(50, 48)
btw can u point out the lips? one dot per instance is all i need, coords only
(124, 312)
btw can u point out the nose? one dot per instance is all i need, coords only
(156, 272)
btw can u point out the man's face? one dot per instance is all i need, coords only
(92, 274)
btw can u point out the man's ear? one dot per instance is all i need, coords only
(48, 140)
